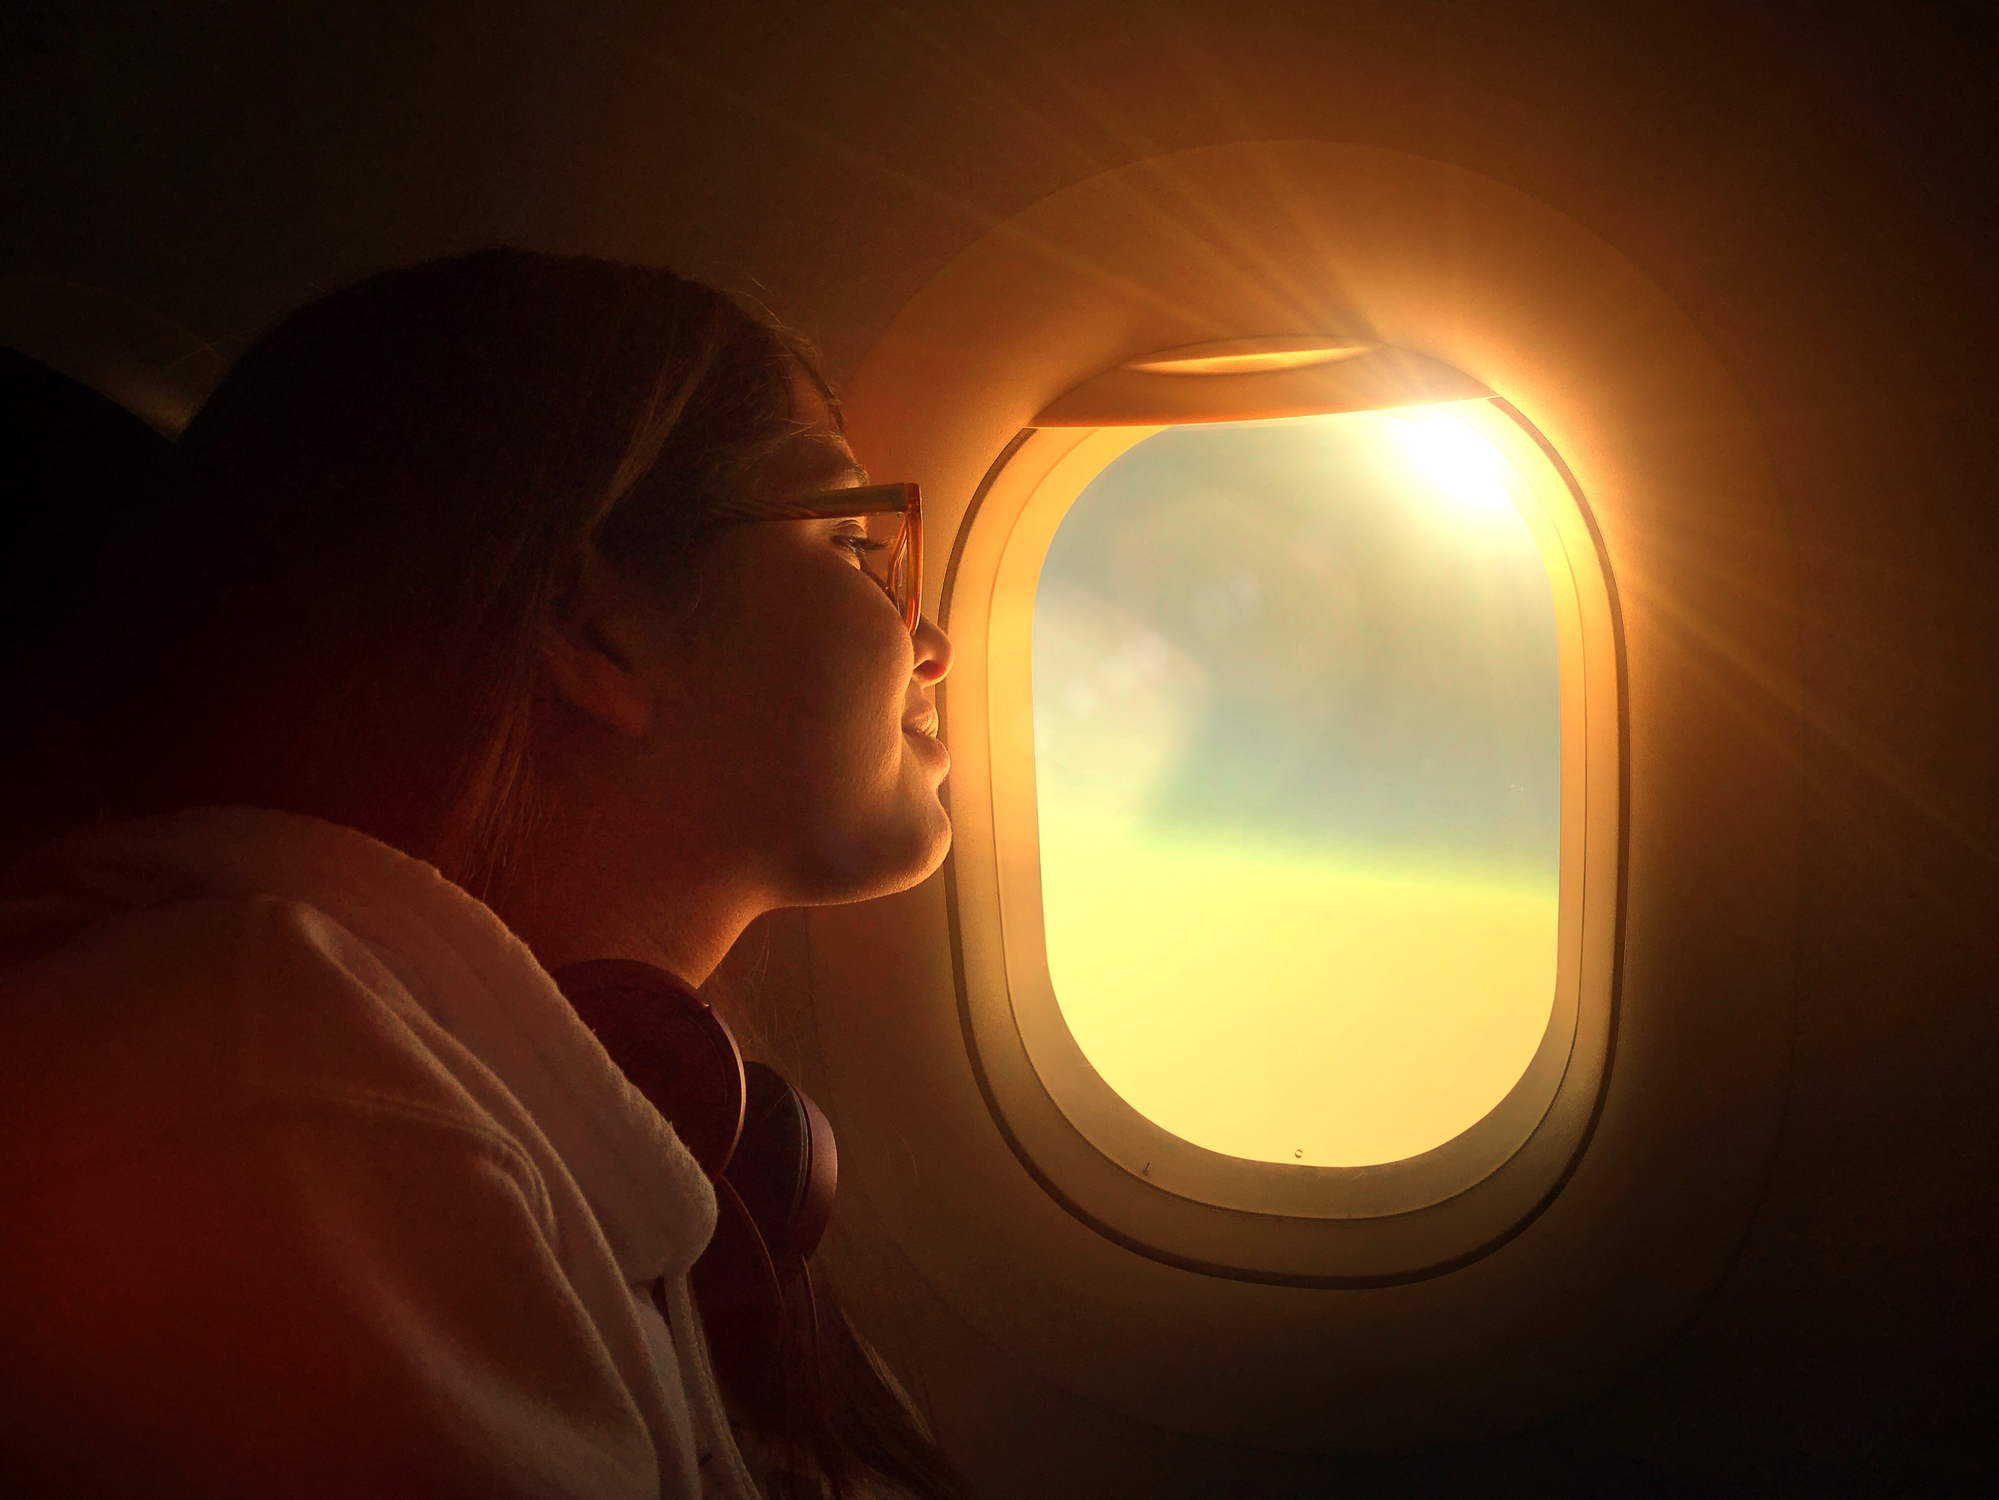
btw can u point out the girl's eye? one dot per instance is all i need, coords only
(857, 544)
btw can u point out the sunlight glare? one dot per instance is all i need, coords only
(1458, 462)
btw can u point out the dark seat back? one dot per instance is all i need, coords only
(72, 476)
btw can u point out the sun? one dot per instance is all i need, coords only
(1460, 465)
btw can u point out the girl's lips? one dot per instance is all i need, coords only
(928, 746)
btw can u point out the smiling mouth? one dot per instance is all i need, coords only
(926, 726)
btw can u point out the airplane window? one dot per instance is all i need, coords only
(1297, 740)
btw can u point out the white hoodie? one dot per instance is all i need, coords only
(312, 1184)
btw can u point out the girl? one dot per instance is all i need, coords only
(493, 616)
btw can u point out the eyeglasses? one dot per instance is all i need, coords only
(893, 516)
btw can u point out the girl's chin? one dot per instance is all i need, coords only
(930, 841)
(897, 856)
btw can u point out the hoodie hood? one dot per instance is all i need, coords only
(457, 960)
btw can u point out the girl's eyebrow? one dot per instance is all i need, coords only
(841, 465)
(850, 476)
(845, 470)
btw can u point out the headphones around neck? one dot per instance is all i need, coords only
(765, 1146)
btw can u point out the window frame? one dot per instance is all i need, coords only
(1105, 1163)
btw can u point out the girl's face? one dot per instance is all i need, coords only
(801, 708)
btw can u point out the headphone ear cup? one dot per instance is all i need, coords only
(785, 1167)
(767, 1148)
(672, 1047)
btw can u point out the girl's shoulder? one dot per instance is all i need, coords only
(160, 1020)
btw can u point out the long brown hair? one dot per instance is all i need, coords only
(363, 534)
(337, 603)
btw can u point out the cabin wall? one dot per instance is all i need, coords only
(1812, 185)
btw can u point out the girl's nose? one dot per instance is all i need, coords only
(933, 651)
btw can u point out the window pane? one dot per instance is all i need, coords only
(1297, 748)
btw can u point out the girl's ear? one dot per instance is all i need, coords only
(593, 657)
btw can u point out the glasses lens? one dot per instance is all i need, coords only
(889, 558)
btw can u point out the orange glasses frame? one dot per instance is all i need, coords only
(901, 573)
